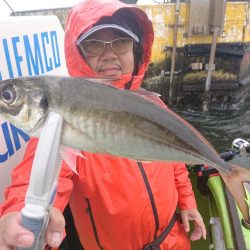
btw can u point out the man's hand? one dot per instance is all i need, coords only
(55, 229)
(199, 226)
(12, 234)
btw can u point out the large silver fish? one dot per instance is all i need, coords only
(104, 119)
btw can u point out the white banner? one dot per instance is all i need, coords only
(29, 46)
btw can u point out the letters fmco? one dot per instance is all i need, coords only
(34, 54)
(29, 46)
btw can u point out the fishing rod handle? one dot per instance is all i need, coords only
(34, 219)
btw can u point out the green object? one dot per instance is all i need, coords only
(217, 216)
(219, 208)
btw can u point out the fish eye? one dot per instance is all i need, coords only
(8, 95)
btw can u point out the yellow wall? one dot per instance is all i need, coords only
(236, 27)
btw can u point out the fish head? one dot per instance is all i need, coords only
(23, 103)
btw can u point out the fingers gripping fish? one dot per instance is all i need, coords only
(102, 119)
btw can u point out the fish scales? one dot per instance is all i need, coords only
(104, 119)
(115, 119)
(86, 105)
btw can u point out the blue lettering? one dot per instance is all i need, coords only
(16, 132)
(18, 58)
(55, 49)
(3, 157)
(29, 55)
(40, 49)
(10, 149)
(48, 63)
(7, 56)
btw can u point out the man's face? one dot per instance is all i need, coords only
(109, 63)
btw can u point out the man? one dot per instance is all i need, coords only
(116, 203)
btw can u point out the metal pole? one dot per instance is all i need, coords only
(173, 57)
(216, 31)
(211, 59)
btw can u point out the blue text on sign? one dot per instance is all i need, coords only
(39, 56)
(11, 136)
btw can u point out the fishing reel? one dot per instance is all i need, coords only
(241, 145)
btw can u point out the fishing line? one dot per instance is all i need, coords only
(9, 7)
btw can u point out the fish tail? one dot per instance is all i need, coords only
(234, 181)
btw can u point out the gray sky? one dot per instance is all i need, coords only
(19, 5)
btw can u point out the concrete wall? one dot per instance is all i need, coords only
(236, 27)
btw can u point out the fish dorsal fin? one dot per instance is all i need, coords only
(104, 80)
(145, 93)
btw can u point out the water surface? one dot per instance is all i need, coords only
(220, 127)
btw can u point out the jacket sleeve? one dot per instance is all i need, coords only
(186, 198)
(15, 193)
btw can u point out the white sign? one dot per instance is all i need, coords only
(29, 46)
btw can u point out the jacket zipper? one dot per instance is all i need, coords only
(151, 197)
(152, 202)
(89, 211)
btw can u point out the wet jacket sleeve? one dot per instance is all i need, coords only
(15, 194)
(186, 198)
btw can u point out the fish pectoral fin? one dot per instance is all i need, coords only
(69, 155)
(236, 183)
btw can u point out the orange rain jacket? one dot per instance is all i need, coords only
(117, 204)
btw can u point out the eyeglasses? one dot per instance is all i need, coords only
(94, 47)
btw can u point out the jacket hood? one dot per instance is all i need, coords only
(84, 16)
